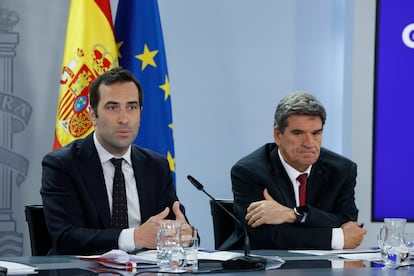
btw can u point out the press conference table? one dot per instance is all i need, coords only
(295, 264)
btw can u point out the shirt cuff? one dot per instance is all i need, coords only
(126, 240)
(337, 263)
(337, 238)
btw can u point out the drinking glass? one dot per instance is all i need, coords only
(191, 251)
(408, 239)
(170, 253)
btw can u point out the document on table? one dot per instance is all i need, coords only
(14, 268)
(148, 259)
(273, 262)
(151, 255)
(336, 252)
(362, 256)
(117, 256)
(121, 260)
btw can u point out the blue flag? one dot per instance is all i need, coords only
(140, 42)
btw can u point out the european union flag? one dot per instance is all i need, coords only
(140, 42)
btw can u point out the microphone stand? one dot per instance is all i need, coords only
(238, 263)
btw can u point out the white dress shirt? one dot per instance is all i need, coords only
(126, 238)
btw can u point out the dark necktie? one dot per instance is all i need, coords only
(119, 217)
(302, 188)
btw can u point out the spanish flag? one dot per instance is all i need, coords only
(90, 50)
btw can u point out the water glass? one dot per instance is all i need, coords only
(408, 239)
(191, 252)
(170, 253)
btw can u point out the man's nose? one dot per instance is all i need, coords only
(123, 116)
(308, 140)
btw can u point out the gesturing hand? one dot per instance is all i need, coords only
(146, 234)
(187, 231)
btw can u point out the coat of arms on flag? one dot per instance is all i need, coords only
(90, 50)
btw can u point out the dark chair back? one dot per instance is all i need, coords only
(223, 224)
(40, 240)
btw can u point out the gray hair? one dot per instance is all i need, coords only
(297, 103)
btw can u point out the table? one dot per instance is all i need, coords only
(296, 264)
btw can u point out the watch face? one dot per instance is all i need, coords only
(300, 212)
(299, 218)
(303, 209)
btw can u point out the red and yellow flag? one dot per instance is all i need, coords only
(90, 50)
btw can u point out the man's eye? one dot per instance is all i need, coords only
(111, 107)
(133, 107)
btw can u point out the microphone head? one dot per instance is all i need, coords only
(195, 182)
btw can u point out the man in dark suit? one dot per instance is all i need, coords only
(77, 180)
(267, 194)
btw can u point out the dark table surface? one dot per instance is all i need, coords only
(295, 264)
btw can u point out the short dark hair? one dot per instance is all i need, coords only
(115, 75)
(297, 103)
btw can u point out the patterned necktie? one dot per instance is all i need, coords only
(119, 217)
(302, 188)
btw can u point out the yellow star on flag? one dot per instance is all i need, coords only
(118, 47)
(147, 57)
(171, 161)
(166, 88)
(171, 126)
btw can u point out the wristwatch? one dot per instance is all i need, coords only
(301, 212)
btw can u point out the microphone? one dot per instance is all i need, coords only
(238, 263)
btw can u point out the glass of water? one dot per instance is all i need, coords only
(408, 239)
(191, 251)
(170, 252)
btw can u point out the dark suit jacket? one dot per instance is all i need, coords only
(75, 199)
(330, 198)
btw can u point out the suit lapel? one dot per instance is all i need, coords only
(317, 182)
(281, 182)
(140, 173)
(91, 172)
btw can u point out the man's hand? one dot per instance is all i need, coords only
(353, 234)
(146, 234)
(268, 211)
(187, 230)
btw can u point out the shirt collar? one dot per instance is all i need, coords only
(291, 171)
(105, 156)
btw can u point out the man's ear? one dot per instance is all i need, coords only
(276, 135)
(92, 115)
